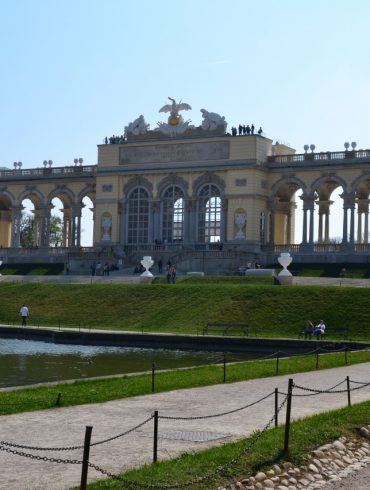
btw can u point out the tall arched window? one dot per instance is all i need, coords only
(209, 214)
(173, 215)
(138, 216)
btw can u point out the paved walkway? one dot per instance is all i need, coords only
(66, 426)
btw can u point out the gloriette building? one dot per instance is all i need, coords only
(193, 193)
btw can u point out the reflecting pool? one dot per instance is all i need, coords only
(24, 362)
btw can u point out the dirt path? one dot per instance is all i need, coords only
(66, 426)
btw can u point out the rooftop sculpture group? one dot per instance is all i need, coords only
(176, 125)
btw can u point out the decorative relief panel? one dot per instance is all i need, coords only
(106, 188)
(240, 182)
(186, 152)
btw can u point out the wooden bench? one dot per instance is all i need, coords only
(226, 328)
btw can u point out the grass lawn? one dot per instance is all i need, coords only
(305, 435)
(186, 307)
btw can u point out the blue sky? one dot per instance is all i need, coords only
(76, 71)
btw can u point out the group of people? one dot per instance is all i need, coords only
(242, 130)
(317, 330)
(98, 269)
(114, 140)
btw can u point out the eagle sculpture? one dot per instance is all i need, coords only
(174, 110)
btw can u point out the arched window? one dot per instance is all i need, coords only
(138, 216)
(209, 214)
(173, 215)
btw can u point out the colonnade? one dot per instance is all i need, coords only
(42, 216)
(310, 204)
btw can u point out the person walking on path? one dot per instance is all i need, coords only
(24, 312)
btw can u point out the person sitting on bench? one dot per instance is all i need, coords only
(308, 331)
(319, 329)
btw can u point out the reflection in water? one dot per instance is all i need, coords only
(24, 362)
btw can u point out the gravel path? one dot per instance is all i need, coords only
(66, 426)
(356, 481)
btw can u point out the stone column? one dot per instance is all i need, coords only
(37, 227)
(16, 213)
(327, 214)
(76, 225)
(359, 225)
(67, 227)
(45, 212)
(190, 225)
(320, 238)
(352, 225)
(155, 231)
(366, 226)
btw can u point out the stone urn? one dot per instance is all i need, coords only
(147, 263)
(285, 260)
(1, 263)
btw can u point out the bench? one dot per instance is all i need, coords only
(341, 332)
(226, 328)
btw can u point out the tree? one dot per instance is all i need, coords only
(28, 238)
(27, 230)
(56, 231)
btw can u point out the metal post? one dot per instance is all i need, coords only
(59, 324)
(348, 391)
(317, 360)
(224, 368)
(276, 406)
(288, 413)
(277, 362)
(85, 458)
(155, 441)
(345, 356)
(153, 377)
(57, 403)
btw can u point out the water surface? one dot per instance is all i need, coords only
(24, 362)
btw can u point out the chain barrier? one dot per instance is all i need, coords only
(313, 394)
(199, 417)
(39, 458)
(316, 391)
(201, 479)
(74, 448)
(359, 382)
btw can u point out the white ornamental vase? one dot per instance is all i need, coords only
(147, 263)
(285, 260)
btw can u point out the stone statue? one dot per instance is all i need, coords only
(137, 127)
(240, 221)
(212, 121)
(106, 223)
(174, 109)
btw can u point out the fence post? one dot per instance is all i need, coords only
(317, 359)
(57, 403)
(345, 355)
(153, 377)
(277, 362)
(288, 413)
(276, 406)
(155, 441)
(224, 368)
(59, 324)
(85, 458)
(348, 391)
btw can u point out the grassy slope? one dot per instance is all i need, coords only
(189, 305)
